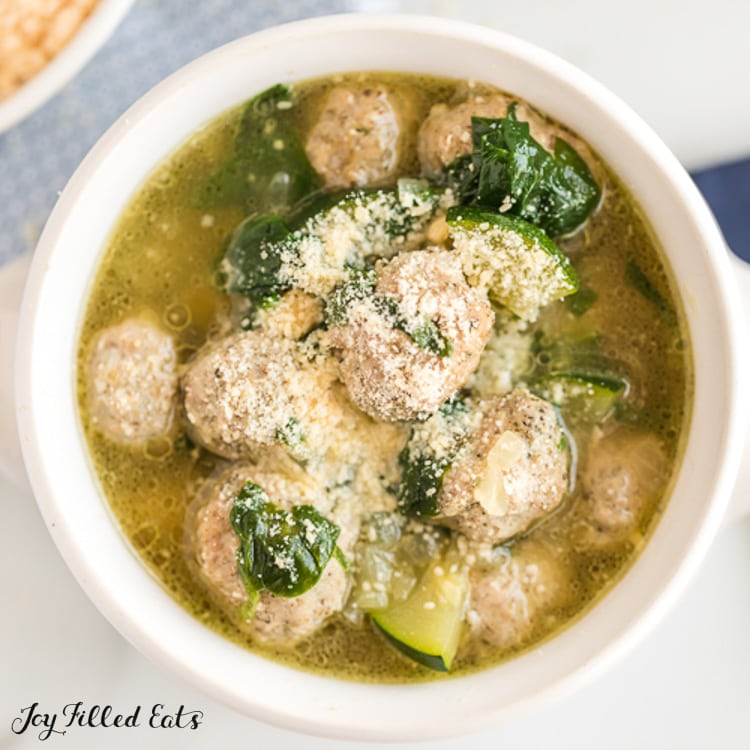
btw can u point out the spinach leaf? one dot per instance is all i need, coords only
(283, 552)
(269, 170)
(509, 170)
(580, 302)
(426, 335)
(635, 276)
(253, 259)
(291, 434)
(422, 468)
(462, 177)
(420, 483)
(376, 216)
(422, 331)
(455, 407)
(582, 398)
(580, 352)
(361, 285)
(312, 205)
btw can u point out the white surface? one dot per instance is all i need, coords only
(12, 279)
(681, 65)
(82, 527)
(687, 686)
(740, 505)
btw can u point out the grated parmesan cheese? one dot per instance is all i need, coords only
(513, 269)
(321, 253)
(506, 358)
(387, 374)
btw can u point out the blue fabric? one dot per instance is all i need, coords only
(727, 190)
(156, 37)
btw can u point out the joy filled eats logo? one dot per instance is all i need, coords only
(33, 719)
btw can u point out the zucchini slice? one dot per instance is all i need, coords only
(521, 266)
(427, 626)
(582, 398)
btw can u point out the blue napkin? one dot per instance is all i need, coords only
(727, 189)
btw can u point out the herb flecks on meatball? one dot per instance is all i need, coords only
(406, 350)
(132, 377)
(355, 142)
(235, 395)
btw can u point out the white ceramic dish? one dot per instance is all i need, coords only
(78, 516)
(94, 31)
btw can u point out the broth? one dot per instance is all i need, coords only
(163, 258)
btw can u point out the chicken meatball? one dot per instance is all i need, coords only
(235, 394)
(133, 377)
(511, 471)
(624, 473)
(355, 141)
(293, 316)
(392, 374)
(446, 132)
(277, 620)
(507, 599)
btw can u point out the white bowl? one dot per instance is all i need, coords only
(78, 515)
(92, 34)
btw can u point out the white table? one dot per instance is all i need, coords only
(686, 686)
(684, 67)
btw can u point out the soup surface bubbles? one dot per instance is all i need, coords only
(385, 376)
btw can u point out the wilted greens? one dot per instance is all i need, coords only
(423, 467)
(509, 171)
(253, 259)
(281, 551)
(268, 170)
(422, 331)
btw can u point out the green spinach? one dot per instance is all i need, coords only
(509, 170)
(423, 471)
(281, 551)
(580, 303)
(637, 279)
(253, 259)
(268, 170)
(361, 285)
(421, 480)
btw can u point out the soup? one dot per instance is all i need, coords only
(383, 376)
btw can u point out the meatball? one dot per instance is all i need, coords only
(387, 373)
(278, 620)
(506, 600)
(624, 473)
(510, 472)
(132, 374)
(446, 132)
(235, 394)
(355, 141)
(293, 316)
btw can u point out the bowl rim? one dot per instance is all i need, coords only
(319, 717)
(63, 67)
